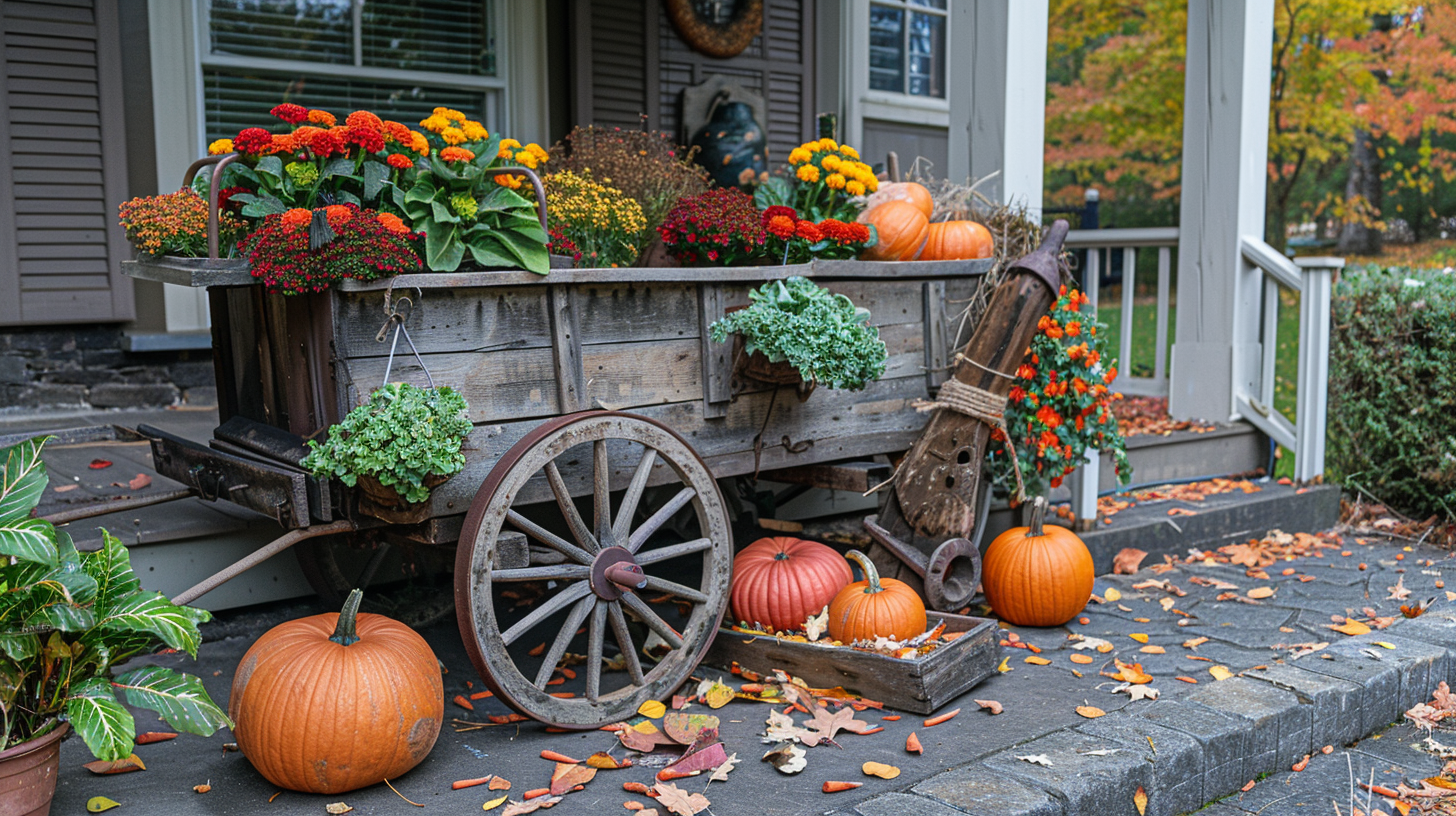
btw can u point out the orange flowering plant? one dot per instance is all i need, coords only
(362, 244)
(791, 239)
(320, 161)
(176, 224)
(1061, 404)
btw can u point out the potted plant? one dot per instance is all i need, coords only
(67, 619)
(795, 329)
(396, 448)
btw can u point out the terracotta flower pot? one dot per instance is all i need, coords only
(28, 774)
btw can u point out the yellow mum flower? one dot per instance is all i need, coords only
(452, 135)
(799, 155)
(538, 151)
(513, 182)
(828, 144)
(834, 181)
(419, 144)
(526, 158)
(831, 163)
(474, 131)
(849, 151)
(808, 173)
(854, 188)
(452, 114)
(440, 111)
(220, 147)
(873, 184)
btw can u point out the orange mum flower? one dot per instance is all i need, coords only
(453, 154)
(338, 214)
(1074, 328)
(399, 161)
(392, 222)
(296, 217)
(1110, 375)
(364, 119)
(321, 117)
(1048, 416)
(1025, 372)
(396, 132)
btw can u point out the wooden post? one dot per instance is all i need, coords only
(1225, 152)
(997, 88)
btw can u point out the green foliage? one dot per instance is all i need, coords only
(1392, 387)
(501, 231)
(68, 617)
(402, 435)
(824, 335)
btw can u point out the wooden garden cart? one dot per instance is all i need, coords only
(604, 418)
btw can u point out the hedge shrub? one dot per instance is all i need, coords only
(1392, 387)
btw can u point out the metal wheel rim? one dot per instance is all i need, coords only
(474, 570)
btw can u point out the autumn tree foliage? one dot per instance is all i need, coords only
(1340, 68)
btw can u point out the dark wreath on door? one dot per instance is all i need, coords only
(718, 28)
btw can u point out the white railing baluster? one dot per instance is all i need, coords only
(1090, 282)
(1129, 274)
(1160, 355)
(1270, 350)
(1314, 358)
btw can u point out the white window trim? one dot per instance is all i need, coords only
(863, 103)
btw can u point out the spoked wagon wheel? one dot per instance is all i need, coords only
(596, 569)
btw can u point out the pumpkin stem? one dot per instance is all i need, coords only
(345, 631)
(1038, 516)
(872, 575)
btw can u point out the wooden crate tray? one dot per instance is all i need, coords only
(921, 685)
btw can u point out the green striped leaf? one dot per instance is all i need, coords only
(20, 647)
(29, 540)
(150, 612)
(110, 567)
(179, 698)
(104, 724)
(23, 479)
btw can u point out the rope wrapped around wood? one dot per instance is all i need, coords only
(977, 403)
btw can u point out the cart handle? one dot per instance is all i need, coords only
(223, 161)
(260, 555)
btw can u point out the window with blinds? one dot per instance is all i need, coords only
(398, 58)
(907, 47)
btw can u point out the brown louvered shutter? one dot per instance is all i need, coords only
(63, 157)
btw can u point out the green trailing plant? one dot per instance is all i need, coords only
(1392, 388)
(69, 618)
(402, 436)
(822, 334)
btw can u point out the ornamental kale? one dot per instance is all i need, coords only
(825, 336)
(403, 435)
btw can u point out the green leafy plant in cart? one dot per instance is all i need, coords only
(68, 619)
(402, 436)
(822, 334)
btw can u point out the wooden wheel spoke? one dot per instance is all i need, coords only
(601, 490)
(578, 527)
(553, 572)
(622, 529)
(548, 538)
(563, 639)
(667, 511)
(654, 621)
(595, 634)
(674, 588)
(624, 642)
(674, 551)
(548, 607)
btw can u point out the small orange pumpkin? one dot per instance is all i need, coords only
(332, 703)
(957, 241)
(1037, 576)
(780, 582)
(904, 191)
(875, 607)
(902, 230)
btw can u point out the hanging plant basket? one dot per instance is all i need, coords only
(383, 502)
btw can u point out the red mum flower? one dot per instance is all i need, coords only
(809, 232)
(777, 211)
(371, 139)
(780, 226)
(290, 113)
(253, 141)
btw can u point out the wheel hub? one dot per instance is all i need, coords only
(614, 572)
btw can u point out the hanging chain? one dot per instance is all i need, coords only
(397, 312)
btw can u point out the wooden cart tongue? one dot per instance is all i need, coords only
(934, 493)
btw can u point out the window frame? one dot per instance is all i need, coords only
(494, 89)
(861, 102)
(907, 8)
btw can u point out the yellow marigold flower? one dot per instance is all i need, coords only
(454, 116)
(452, 135)
(854, 188)
(475, 131)
(873, 184)
(831, 163)
(513, 182)
(799, 155)
(509, 144)
(220, 147)
(440, 111)
(834, 181)
(538, 151)
(526, 158)
(418, 143)
(828, 144)
(434, 124)
(846, 150)
(808, 173)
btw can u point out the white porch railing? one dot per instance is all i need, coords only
(1311, 278)
(1100, 243)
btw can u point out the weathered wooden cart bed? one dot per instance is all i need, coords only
(529, 353)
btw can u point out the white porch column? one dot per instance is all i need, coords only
(997, 89)
(1225, 153)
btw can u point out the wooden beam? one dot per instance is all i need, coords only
(856, 476)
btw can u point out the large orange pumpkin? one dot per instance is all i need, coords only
(331, 703)
(957, 241)
(904, 191)
(1037, 576)
(875, 607)
(902, 228)
(780, 582)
